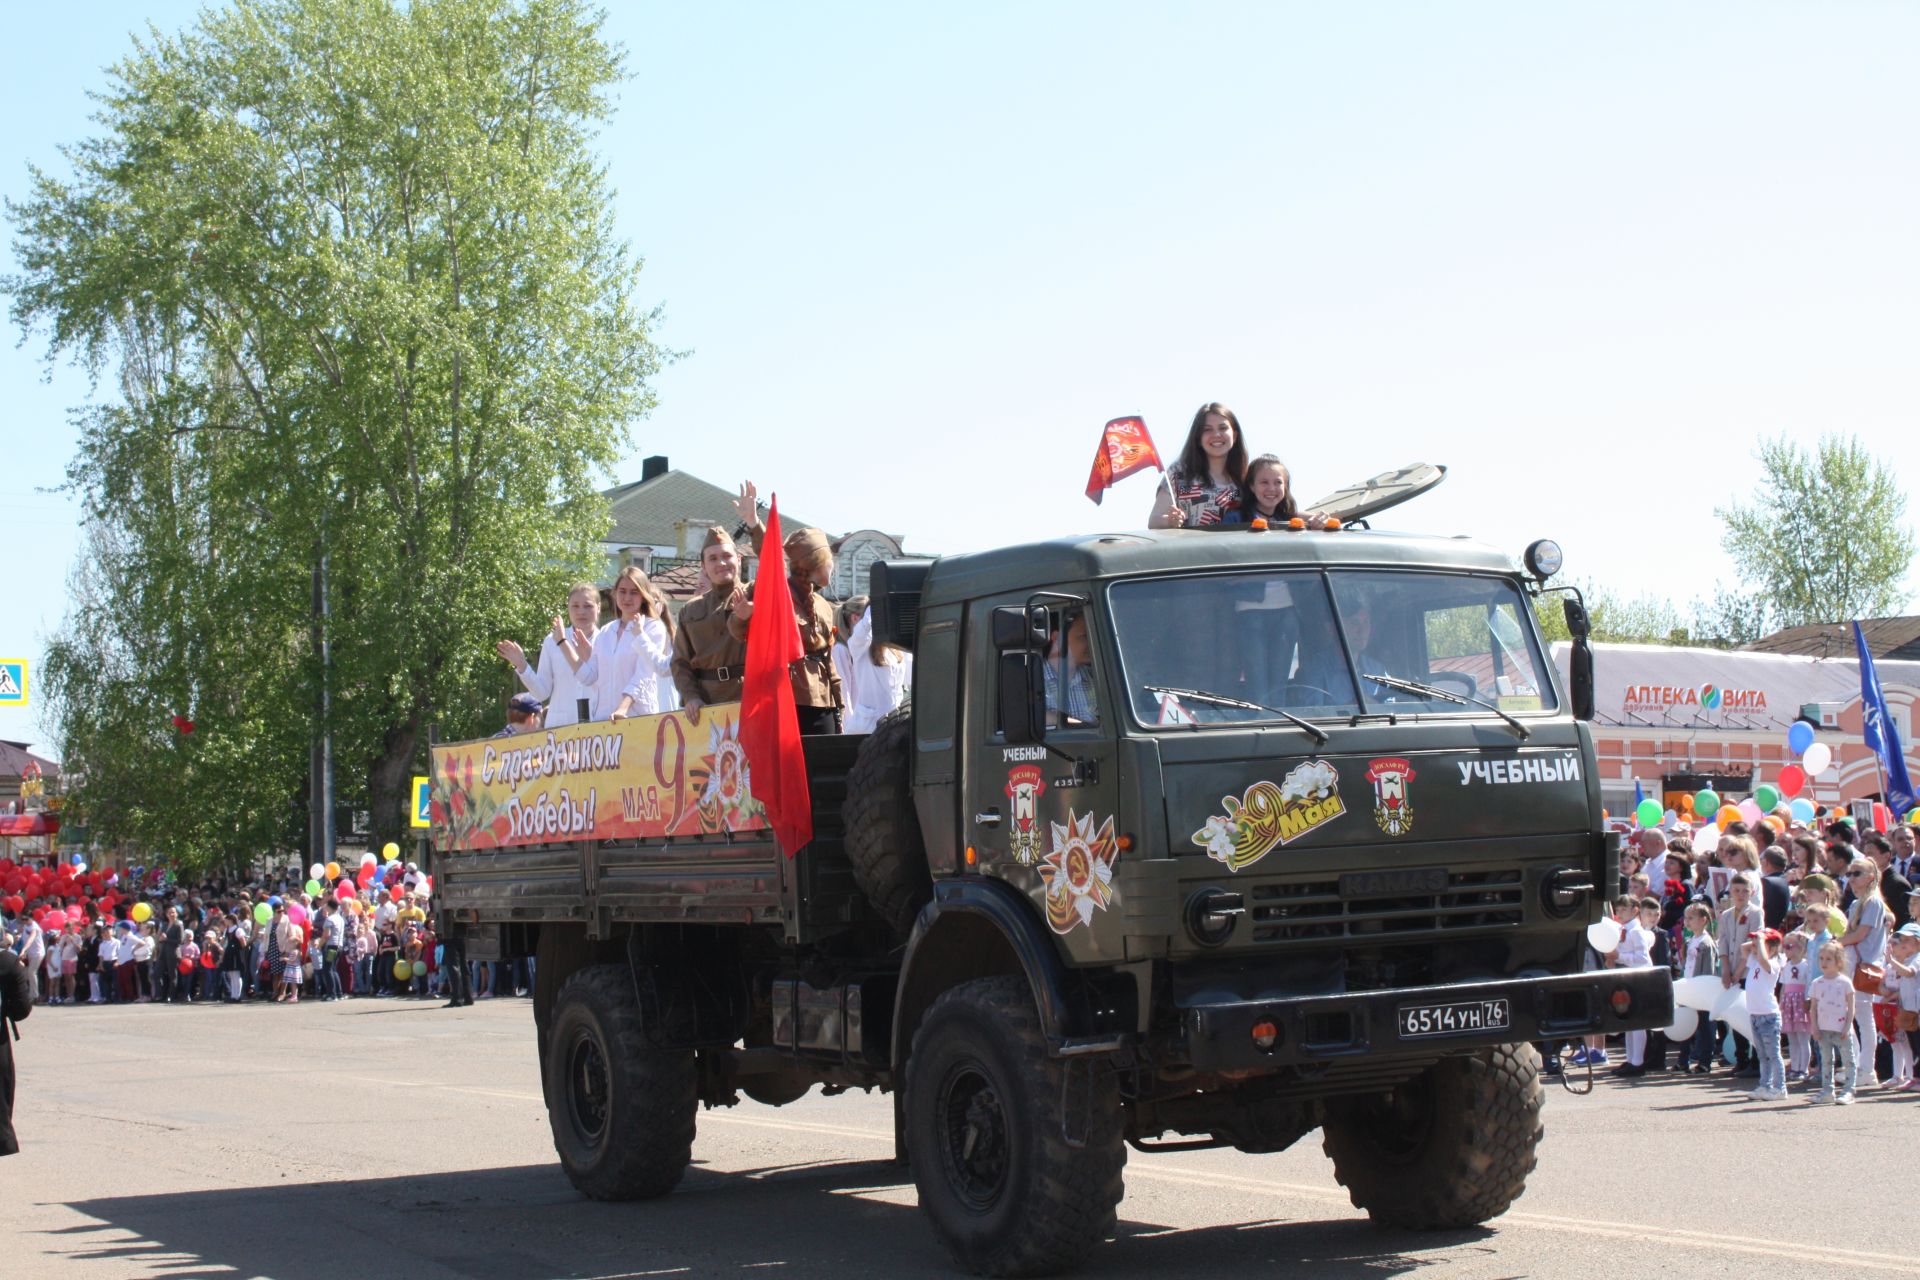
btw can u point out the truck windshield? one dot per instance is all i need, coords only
(1281, 640)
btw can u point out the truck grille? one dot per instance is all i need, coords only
(1314, 910)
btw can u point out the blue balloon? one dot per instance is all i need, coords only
(1802, 810)
(1799, 737)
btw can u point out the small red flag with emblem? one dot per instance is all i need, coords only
(1125, 447)
(769, 723)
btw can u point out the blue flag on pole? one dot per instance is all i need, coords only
(1880, 732)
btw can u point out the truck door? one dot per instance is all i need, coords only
(1043, 816)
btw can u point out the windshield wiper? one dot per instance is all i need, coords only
(1222, 700)
(1446, 695)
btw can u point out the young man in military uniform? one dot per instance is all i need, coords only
(816, 685)
(708, 661)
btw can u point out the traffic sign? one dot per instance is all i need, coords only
(422, 813)
(13, 682)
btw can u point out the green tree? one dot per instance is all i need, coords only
(1826, 540)
(354, 262)
(1727, 621)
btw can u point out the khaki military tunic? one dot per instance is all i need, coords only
(708, 661)
(815, 682)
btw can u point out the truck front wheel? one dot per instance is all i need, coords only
(622, 1111)
(1017, 1155)
(1450, 1148)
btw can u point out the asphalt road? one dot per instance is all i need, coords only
(382, 1138)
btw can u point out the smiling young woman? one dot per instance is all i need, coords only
(1203, 486)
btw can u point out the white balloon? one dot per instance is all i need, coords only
(1739, 1019)
(1697, 994)
(1706, 838)
(1685, 1022)
(1724, 1002)
(1604, 935)
(1817, 758)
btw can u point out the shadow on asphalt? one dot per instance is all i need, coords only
(527, 1223)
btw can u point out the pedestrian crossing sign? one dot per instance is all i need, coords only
(13, 682)
(422, 813)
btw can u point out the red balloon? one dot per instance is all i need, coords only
(206, 960)
(186, 966)
(1793, 780)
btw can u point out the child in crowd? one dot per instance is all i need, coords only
(1830, 1010)
(1635, 952)
(1761, 976)
(1902, 985)
(1701, 960)
(1794, 977)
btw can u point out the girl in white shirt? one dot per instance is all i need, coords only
(850, 614)
(884, 678)
(633, 654)
(568, 645)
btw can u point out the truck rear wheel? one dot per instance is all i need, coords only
(621, 1110)
(1450, 1148)
(987, 1118)
(883, 841)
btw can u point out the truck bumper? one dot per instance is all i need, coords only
(1425, 1021)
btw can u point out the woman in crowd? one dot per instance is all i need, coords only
(1866, 944)
(633, 654)
(556, 681)
(883, 678)
(1203, 487)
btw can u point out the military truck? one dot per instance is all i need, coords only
(1186, 839)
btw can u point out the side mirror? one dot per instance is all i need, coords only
(1021, 627)
(1579, 626)
(1580, 676)
(1023, 696)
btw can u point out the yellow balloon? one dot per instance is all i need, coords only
(142, 912)
(391, 852)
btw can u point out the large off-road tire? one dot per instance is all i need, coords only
(1451, 1148)
(621, 1110)
(988, 1115)
(883, 833)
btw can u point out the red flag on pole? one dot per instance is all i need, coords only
(1125, 447)
(769, 725)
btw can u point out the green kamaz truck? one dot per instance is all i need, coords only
(1185, 839)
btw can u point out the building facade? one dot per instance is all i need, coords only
(1677, 720)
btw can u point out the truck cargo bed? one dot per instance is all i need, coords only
(723, 878)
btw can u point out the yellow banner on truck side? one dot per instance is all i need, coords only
(655, 776)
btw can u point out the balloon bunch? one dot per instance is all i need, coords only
(56, 896)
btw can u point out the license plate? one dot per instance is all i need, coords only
(1461, 1017)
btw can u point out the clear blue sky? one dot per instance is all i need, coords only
(1583, 254)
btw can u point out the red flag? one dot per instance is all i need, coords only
(769, 725)
(1125, 447)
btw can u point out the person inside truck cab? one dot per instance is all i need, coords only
(1203, 485)
(1071, 696)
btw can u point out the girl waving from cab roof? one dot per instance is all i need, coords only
(1204, 485)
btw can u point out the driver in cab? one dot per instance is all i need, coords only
(1071, 696)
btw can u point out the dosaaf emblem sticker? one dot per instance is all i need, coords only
(1269, 815)
(1024, 786)
(1392, 778)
